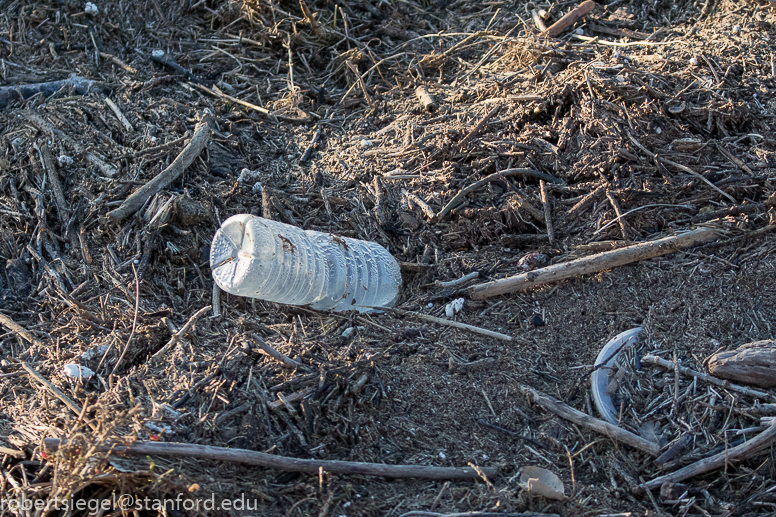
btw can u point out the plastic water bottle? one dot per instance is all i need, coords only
(255, 257)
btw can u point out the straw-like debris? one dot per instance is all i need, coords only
(487, 140)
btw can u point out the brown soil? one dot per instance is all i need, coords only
(662, 112)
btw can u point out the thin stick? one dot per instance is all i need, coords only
(310, 18)
(119, 115)
(450, 323)
(427, 211)
(616, 206)
(751, 447)
(75, 408)
(697, 175)
(182, 332)
(751, 392)
(547, 212)
(167, 176)
(5, 451)
(119, 62)
(17, 329)
(310, 148)
(216, 301)
(43, 125)
(569, 19)
(538, 20)
(585, 202)
(592, 263)
(287, 361)
(458, 281)
(262, 459)
(580, 418)
(480, 125)
(134, 323)
(63, 209)
(493, 177)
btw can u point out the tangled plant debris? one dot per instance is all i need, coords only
(478, 142)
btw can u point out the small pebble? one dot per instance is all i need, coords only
(90, 8)
(366, 143)
(157, 53)
(737, 29)
(694, 61)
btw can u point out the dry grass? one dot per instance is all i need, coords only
(661, 112)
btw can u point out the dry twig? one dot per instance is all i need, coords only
(352, 468)
(592, 264)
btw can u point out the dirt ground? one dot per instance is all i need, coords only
(643, 120)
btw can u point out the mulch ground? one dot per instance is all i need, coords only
(643, 120)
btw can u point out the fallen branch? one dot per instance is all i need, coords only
(493, 177)
(592, 264)
(580, 418)
(752, 363)
(17, 329)
(751, 392)
(355, 468)
(569, 19)
(739, 452)
(21, 92)
(167, 176)
(451, 323)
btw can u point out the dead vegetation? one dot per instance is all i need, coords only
(462, 140)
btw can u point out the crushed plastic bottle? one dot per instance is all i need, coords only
(258, 258)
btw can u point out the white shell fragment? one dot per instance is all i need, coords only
(77, 371)
(366, 143)
(539, 481)
(90, 8)
(454, 307)
(600, 379)
(157, 53)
